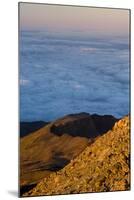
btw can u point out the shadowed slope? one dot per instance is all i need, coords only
(102, 166)
(29, 127)
(83, 125)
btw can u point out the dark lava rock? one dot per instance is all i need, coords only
(83, 125)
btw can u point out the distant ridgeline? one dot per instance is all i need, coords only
(74, 124)
(29, 127)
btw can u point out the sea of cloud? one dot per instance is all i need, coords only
(60, 75)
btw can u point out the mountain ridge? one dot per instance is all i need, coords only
(102, 166)
(45, 151)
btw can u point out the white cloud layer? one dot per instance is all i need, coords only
(69, 75)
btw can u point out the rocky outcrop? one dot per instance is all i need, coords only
(103, 123)
(103, 166)
(83, 125)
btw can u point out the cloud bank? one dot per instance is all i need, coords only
(61, 75)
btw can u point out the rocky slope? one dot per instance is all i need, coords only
(102, 166)
(52, 147)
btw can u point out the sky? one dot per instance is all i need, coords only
(74, 19)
